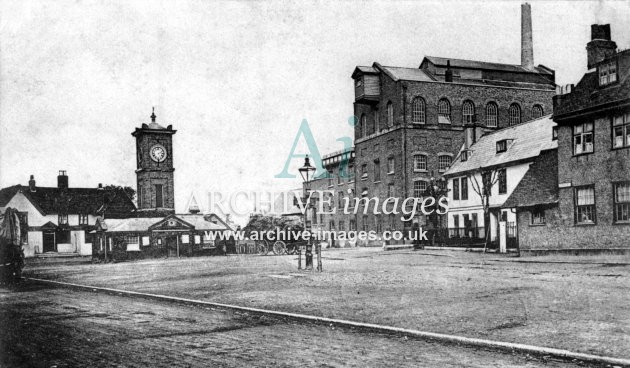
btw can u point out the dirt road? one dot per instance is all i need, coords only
(47, 327)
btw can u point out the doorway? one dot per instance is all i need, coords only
(48, 242)
(171, 245)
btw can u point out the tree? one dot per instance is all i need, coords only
(437, 189)
(484, 190)
(128, 190)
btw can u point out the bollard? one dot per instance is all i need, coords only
(308, 256)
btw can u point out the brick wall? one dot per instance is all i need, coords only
(430, 138)
(600, 169)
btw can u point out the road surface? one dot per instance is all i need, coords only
(56, 327)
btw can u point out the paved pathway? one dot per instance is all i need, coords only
(47, 327)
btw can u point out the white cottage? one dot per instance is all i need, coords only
(59, 219)
(498, 160)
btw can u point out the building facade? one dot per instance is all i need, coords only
(593, 117)
(340, 180)
(411, 121)
(494, 167)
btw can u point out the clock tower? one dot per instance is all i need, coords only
(154, 157)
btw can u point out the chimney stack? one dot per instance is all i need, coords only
(601, 46)
(448, 75)
(62, 180)
(31, 184)
(527, 43)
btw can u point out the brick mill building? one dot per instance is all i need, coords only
(411, 121)
(592, 190)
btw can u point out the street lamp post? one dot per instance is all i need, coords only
(306, 172)
(437, 189)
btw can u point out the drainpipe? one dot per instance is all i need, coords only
(404, 147)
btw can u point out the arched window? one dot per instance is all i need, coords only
(537, 111)
(514, 113)
(492, 114)
(390, 114)
(444, 111)
(468, 112)
(418, 110)
(363, 125)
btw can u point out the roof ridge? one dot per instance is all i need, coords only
(514, 126)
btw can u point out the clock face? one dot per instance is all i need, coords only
(158, 153)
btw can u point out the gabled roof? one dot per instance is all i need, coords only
(528, 140)
(473, 64)
(113, 203)
(142, 224)
(539, 186)
(360, 70)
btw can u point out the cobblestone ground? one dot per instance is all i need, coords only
(576, 303)
(49, 327)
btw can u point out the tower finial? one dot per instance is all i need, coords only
(153, 115)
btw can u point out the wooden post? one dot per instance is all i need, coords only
(177, 240)
(319, 256)
(299, 250)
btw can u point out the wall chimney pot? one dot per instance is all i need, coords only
(601, 46)
(31, 184)
(527, 43)
(62, 180)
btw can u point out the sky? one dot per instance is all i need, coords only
(235, 78)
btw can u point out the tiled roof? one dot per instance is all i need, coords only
(539, 186)
(410, 74)
(472, 64)
(50, 200)
(528, 139)
(200, 223)
(587, 93)
(131, 224)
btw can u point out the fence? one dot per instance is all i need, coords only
(243, 247)
(470, 237)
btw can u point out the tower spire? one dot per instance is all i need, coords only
(153, 115)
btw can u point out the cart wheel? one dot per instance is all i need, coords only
(261, 247)
(279, 248)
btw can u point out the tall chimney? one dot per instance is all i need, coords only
(527, 43)
(31, 184)
(600, 47)
(62, 180)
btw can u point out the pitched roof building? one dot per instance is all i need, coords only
(593, 175)
(511, 161)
